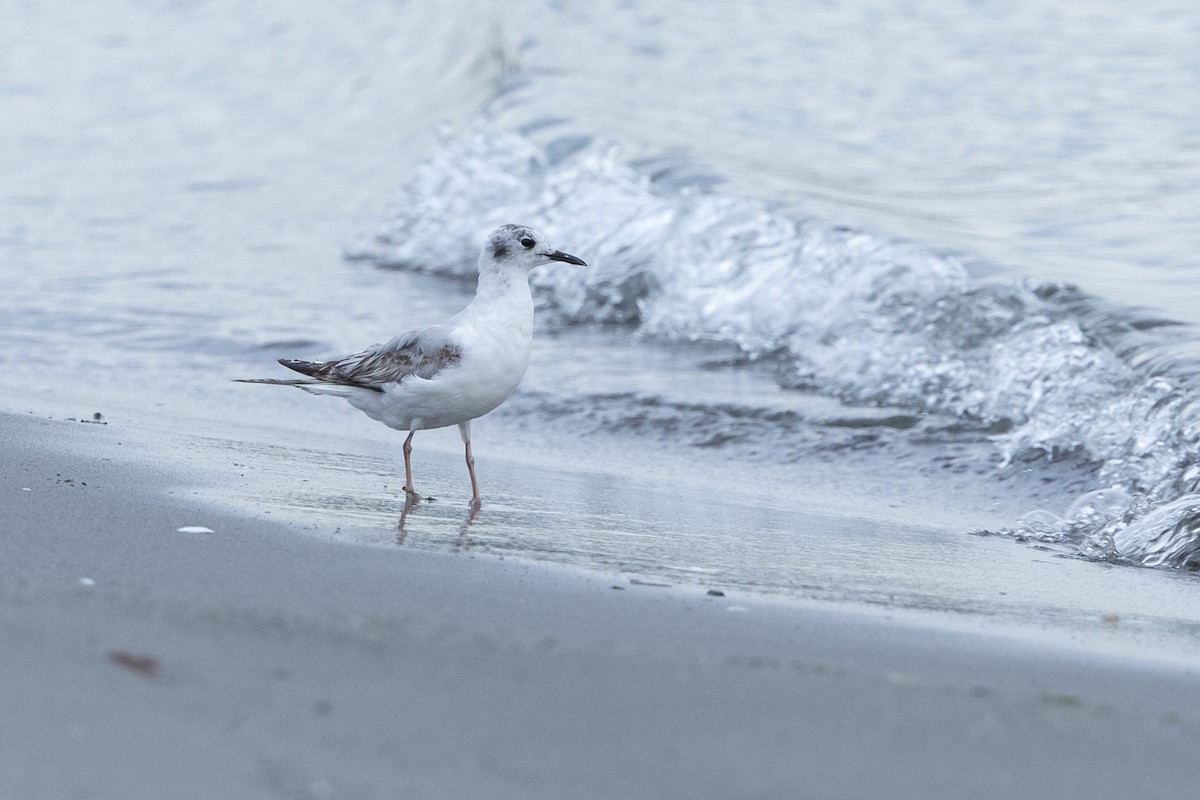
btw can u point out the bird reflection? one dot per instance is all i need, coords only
(464, 541)
(411, 503)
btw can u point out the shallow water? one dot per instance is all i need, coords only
(863, 239)
(1059, 141)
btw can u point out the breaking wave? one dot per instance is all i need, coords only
(863, 318)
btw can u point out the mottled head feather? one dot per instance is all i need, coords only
(505, 240)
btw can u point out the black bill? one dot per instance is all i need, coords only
(559, 255)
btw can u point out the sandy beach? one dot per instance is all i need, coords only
(699, 572)
(265, 661)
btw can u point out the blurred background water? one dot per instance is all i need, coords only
(954, 237)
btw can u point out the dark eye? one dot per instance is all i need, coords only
(527, 242)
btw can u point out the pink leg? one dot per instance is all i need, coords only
(465, 429)
(409, 491)
(476, 500)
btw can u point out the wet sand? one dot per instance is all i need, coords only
(864, 646)
(263, 660)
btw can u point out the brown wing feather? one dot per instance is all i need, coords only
(423, 352)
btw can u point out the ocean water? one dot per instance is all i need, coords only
(937, 238)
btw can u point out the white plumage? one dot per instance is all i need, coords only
(451, 373)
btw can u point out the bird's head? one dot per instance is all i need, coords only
(516, 246)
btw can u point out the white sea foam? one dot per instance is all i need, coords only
(860, 317)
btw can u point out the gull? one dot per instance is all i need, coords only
(447, 374)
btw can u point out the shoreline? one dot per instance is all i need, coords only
(187, 189)
(260, 661)
(819, 549)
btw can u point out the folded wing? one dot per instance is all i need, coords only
(423, 352)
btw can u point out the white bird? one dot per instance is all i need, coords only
(446, 374)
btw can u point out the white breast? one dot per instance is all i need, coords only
(495, 340)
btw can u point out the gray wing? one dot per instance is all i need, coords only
(423, 352)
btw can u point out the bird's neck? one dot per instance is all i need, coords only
(504, 293)
(496, 284)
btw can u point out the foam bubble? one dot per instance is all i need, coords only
(855, 316)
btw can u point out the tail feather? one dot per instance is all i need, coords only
(312, 387)
(313, 369)
(323, 379)
(275, 381)
(327, 372)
